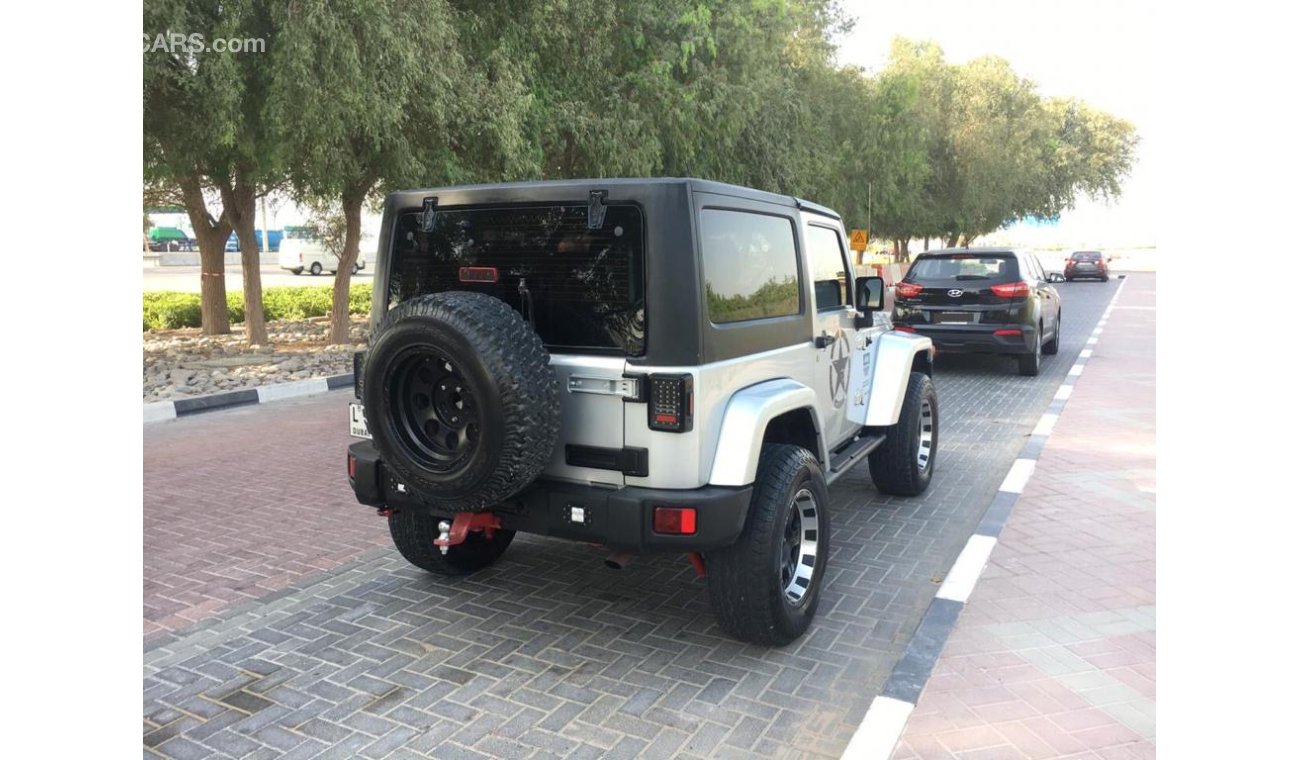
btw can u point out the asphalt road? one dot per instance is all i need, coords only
(186, 279)
(280, 622)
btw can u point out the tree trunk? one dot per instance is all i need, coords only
(927, 243)
(241, 201)
(340, 322)
(952, 240)
(212, 235)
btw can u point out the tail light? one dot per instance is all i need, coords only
(1011, 290)
(672, 403)
(352, 466)
(675, 520)
(904, 328)
(1006, 333)
(907, 290)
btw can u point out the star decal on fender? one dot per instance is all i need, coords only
(840, 369)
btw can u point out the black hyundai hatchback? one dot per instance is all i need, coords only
(981, 300)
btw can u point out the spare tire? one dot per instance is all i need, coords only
(460, 399)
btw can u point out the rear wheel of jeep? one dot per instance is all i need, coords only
(764, 588)
(904, 463)
(413, 535)
(460, 399)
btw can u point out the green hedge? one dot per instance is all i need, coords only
(168, 310)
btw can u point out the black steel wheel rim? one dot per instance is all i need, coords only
(434, 409)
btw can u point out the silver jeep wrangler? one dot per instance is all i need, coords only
(652, 365)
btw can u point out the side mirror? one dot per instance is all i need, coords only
(1055, 277)
(868, 297)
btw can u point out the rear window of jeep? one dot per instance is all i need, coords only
(750, 266)
(584, 289)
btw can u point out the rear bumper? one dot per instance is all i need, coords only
(978, 339)
(620, 518)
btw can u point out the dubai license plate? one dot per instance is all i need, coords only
(357, 421)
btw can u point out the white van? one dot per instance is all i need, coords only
(301, 252)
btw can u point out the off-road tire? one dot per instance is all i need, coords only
(745, 584)
(510, 394)
(413, 535)
(1030, 362)
(1051, 347)
(316, 268)
(895, 464)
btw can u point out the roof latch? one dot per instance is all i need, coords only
(596, 209)
(429, 214)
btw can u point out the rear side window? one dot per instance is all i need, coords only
(583, 288)
(826, 258)
(965, 267)
(750, 267)
(1086, 256)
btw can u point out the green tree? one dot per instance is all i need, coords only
(205, 140)
(367, 94)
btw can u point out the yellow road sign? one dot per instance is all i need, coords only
(858, 240)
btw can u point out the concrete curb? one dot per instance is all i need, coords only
(886, 717)
(166, 410)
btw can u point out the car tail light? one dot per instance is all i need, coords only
(1011, 290)
(352, 466)
(672, 403)
(907, 290)
(904, 328)
(675, 520)
(1006, 333)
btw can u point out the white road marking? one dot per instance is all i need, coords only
(1018, 475)
(1075, 371)
(1063, 393)
(159, 411)
(880, 730)
(1045, 425)
(966, 570)
(289, 390)
(1085, 353)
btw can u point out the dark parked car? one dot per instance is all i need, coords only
(1087, 264)
(981, 300)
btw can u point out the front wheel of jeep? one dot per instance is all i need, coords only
(764, 588)
(904, 463)
(413, 535)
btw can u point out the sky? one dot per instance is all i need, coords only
(1099, 51)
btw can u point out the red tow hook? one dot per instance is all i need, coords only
(454, 532)
(697, 562)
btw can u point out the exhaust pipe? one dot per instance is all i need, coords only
(619, 560)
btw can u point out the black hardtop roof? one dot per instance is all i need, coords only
(415, 196)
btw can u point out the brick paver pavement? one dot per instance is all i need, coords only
(1054, 654)
(314, 638)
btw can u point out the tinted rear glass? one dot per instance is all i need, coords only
(965, 267)
(1086, 256)
(586, 287)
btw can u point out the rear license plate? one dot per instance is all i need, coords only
(954, 317)
(357, 421)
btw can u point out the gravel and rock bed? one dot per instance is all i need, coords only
(184, 363)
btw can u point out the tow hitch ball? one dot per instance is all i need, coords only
(454, 532)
